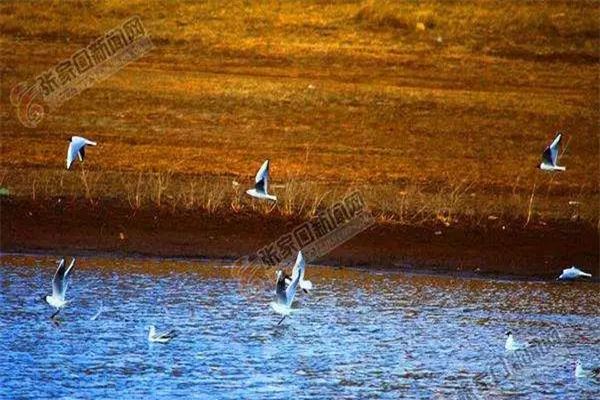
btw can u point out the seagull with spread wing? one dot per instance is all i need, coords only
(261, 184)
(550, 156)
(60, 282)
(284, 296)
(77, 149)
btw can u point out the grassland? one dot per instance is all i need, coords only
(437, 111)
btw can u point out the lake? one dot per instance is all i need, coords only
(359, 334)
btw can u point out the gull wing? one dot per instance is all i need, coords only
(77, 143)
(57, 280)
(167, 335)
(299, 266)
(71, 152)
(550, 155)
(297, 272)
(262, 178)
(81, 153)
(67, 277)
(554, 148)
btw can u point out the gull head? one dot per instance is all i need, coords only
(509, 333)
(579, 371)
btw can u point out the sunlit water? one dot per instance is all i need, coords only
(360, 335)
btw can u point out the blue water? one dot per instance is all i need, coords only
(359, 335)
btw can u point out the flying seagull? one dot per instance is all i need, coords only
(550, 156)
(77, 149)
(284, 296)
(511, 344)
(164, 337)
(261, 185)
(582, 373)
(305, 285)
(60, 282)
(573, 273)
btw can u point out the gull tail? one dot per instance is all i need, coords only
(171, 334)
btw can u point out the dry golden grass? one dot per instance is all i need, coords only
(353, 89)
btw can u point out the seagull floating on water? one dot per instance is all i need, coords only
(304, 284)
(573, 273)
(77, 149)
(164, 337)
(284, 296)
(261, 185)
(60, 282)
(582, 373)
(550, 156)
(511, 344)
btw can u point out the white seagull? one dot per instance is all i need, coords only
(77, 149)
(164, 337)
(582, 373)
(60, 282)
(304, 284)
(284, 296)
(550, 156)
(261, 184)
(511, 344)
(573, 273)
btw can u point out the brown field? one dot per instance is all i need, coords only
(439, 125)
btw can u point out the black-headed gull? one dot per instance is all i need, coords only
(550, 156)
(261, 184)
(573, 273)
(282, 304)
(511, 344)
(60, 282)
(304, 284)
(164, 337)
(77, 149)
(582, 373)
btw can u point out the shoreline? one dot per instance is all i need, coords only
(228, 263)
(109, 227)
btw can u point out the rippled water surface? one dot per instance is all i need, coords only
(359, 334)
